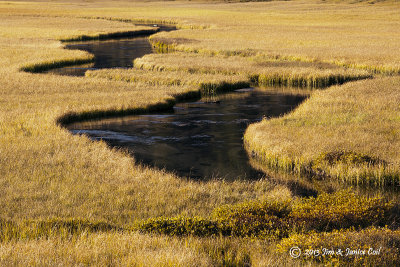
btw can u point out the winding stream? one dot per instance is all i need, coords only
(199, 140)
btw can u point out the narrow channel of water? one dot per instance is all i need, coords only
(116, 53)
(200, 140)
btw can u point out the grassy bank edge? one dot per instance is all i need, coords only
(48, 65)
(162, 45)
(112, 35)
(164, 105)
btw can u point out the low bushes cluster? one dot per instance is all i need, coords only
(327, 212)
(259, 219)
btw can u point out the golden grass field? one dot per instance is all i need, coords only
(347, 132)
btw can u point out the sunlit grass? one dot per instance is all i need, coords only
(359, 121)
(259, 71)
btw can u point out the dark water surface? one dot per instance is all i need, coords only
(117, 53)
(200, 139)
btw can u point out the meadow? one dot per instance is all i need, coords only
(67, 200)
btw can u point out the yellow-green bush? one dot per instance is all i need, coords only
(276, 219)
(179, 226)
(254, 218)
(342, 209)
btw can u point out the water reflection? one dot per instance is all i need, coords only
(108, 54)
(200, 140)
(118, 53)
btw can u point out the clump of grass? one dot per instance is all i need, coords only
(368, 247)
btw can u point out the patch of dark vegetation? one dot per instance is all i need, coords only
(350, 157)
(180, 226)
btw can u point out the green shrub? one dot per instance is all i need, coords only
(179, 226)
(254, 218)
(348, 157)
